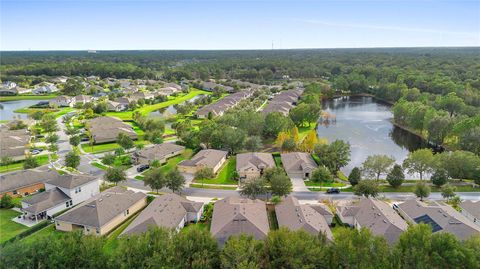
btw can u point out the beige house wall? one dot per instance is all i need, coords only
(63, 226)
(187, 169)
(121, 217)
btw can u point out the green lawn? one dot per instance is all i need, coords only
(9, 228)
(384, 188)
(303, 131)
(145, 110)
(225, 176)
(201, 225)
(99, 165)
(42, 160)
(45, 232)
(171, 163)
(100, 147)
(278, 159)
(136, 128)
(27, 97)
(323, 184)
(200, 186)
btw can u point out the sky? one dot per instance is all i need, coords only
(228, 24)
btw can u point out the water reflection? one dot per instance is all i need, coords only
(7, 109)
(365, 124)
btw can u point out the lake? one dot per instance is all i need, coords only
(169, 111)
(365, 124)
(8, 107)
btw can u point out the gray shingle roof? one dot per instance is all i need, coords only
(165, 211)
(158, 152)
(45, 200)
(24, 178)
(102, 208)
(235, 216)
(254, 161)
(71, 181)
(295, 162)
(106, 129)
(447, 218)
(471, 207)
(207, 158)
(291, 214)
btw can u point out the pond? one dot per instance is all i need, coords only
(167, 112)
(365, 124)
(7, 108)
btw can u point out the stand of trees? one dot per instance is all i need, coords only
(195, 248)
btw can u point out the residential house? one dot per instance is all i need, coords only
(253, 164)
(60, 193)
(8, 91)
(94, 89)
(25, 182)
(143, 95)
(46, 89)
(283, 101)
(169, 211)
(62, 101)
(60, 79)
(236, 216)
(14, 143)
(298, 164)
(115, 106)
(324, 211)
(83, 99)
(166, 91)
(471, 210)
(102, 213)
(211, 86)
(375, 215)
(221, 106)
(125, 100)
(160, 152)
(295, 216)
(441, 217)
(106, 129)
(207, 158)
(172, 85)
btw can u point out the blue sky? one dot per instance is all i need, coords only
(114, 25)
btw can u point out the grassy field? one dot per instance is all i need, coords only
(26, 97)
(9, 228)
(225, 176)
(42, 160)
(45, 232)
(171, 163)
(100, 147)
(145, 110)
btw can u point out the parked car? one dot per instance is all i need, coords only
(35, 152)
(142, 167)
(333, 191)
(85, 139)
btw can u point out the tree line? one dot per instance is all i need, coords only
(195, 248)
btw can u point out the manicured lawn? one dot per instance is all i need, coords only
(225, 176)
(45, 232)
(200, 186)
(100, 147)
(99, 165)
(27, 97)
(323, 184)
(112, 243)
(171, 163)
(137, 129)
(9, 228)
(201, 225)
(42, 160)
(303, 131)
(64, 111)
(278, 159)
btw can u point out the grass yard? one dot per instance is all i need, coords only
(171, 163)
(225, 176)
(323, 184)
(42, 160)
(27, 97)
(136, 128)
(99, 165)
(9, 228)
(303, 131)
(201, 225)
(200, 186)
(277, 159)
(100, 147)
(45, 232)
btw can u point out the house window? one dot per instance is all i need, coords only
(58, 223)
(127, 212)
(71, 203)
(98, 231)
(15, 192)
(67, 204)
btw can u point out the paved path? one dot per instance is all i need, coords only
(298, 184)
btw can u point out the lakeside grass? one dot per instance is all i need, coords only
(9, 228)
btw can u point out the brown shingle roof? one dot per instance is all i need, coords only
(24, 178)
(206, 158)
(254, 161)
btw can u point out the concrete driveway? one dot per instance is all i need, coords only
(298, 184)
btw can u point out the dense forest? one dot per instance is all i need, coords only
(195, 248)
(436, 91)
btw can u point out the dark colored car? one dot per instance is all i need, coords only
(333, 191)
(142, 168)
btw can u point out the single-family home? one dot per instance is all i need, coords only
(298, 164)
(295, 216)
(60, 193)
(237, 216)
(283, 101)
(143, 95)
(125, 100)
(25, 182)
(253, 164)
(166, 91)
(115, 106)
(46, 89)
(442, 218)
(106, 129)
(102, 213)
(160, 152)
(168, 211)
(471, 210)
(62, 101)
(83, 99)
(375, 215)
(221, 106)
(14, 143)
(206, 158)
